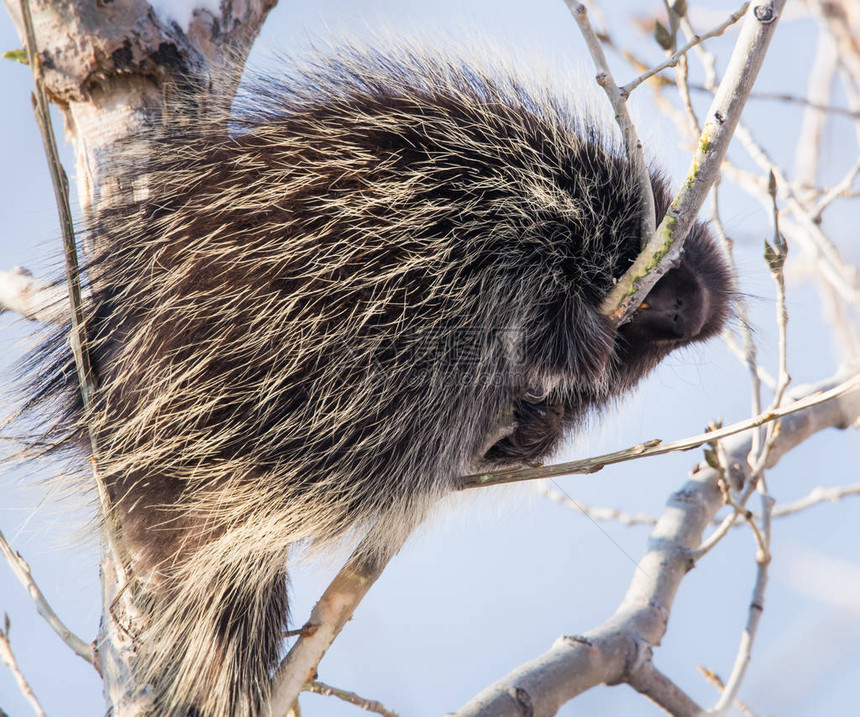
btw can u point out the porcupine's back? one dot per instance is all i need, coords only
(316, 316)
(252, 312)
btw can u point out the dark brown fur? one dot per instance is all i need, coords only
(323, 312)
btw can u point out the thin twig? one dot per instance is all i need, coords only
(837, 190)
(8, 659)
(761, 372)
(697, 40)
(775, 255)
(635, 61)
(816, 496)
(799, 231)
(618, 100)
(725, 525)
(654, 447)
(759, 455)
(682, 79)
(78, 336)
(714, 679)
(783, 97)
(592, 512)
(22, 572)
(320, 688)
(61, 195)
(756, 609)
(749, 354)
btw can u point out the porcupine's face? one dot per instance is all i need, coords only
(689, 304)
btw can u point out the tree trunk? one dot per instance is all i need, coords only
(110, 66)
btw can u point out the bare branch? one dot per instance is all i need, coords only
(612, 514)
(840, 189)
(816, 496)
(32, 299)
(605, 654)
(665, 245)
(618, 100)
(775, 255)
(78, 335)
(656, 447)
(120, 52)
(749, 354)
(320, 688)
(756, 609)
(8, 658)
(714, 679)
(697, 40)
(649, 681)
(792, 99)
(60, 182)
(333, 610)
(844, 276)
(22, 572)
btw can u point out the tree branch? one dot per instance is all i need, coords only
(672, 60)
(112, 67)
(664, 248)
(618, 100)
(8, 659)
(610, 652)
(31, 298)
(320, 688)
(22, 572)
(333, 610)
(656, 447)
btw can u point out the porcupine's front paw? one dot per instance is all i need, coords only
(536, 432)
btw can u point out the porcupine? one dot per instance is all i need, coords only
(375, 276)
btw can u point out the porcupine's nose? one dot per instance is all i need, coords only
(675, 309)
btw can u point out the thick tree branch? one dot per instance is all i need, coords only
(333, 610)
(613, 651)
(107, 66)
